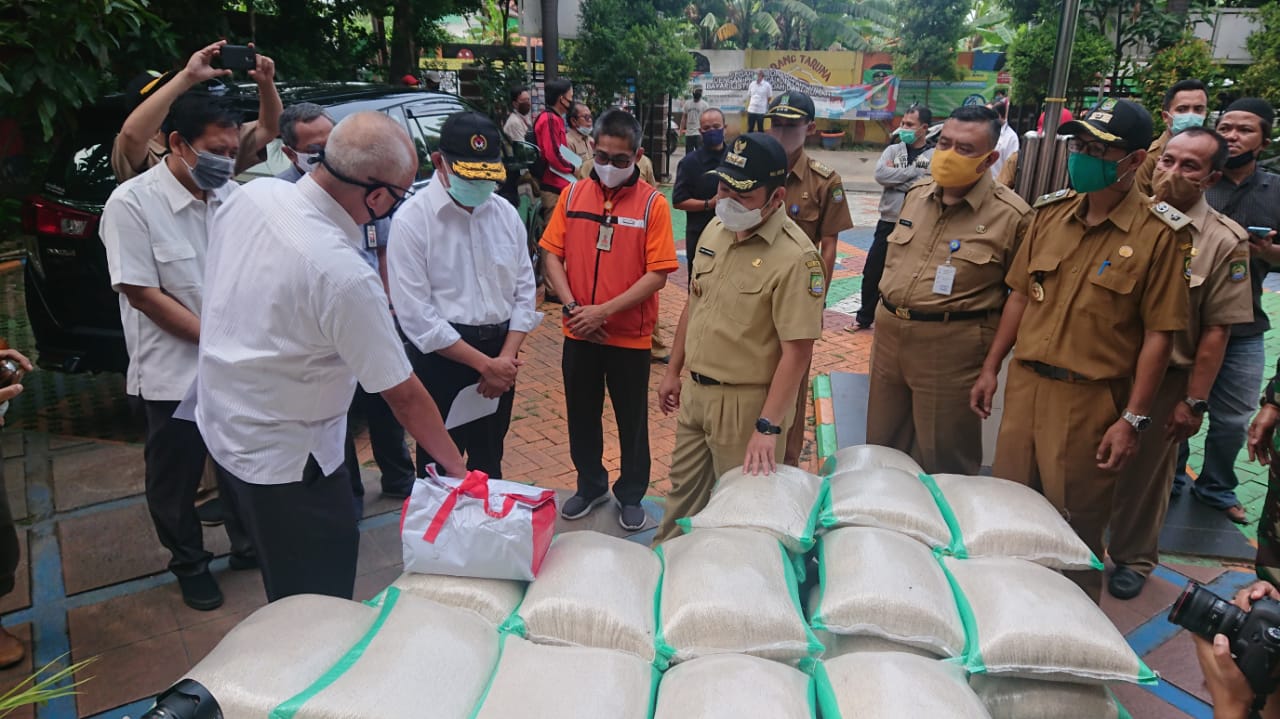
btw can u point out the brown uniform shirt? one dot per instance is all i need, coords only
(748, 297)
(985, 228)
(1099, 288)
(1219, 277)
(1146, 173)
(815, 199)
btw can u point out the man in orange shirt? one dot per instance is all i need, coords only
(609, 250)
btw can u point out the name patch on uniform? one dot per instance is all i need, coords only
(707, 252)
(630, 222)
(1239, 270)
(904, 222)
(811, 264)
(817, 284)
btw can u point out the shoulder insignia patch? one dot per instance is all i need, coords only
(1239, 270)
(817, 284)
(1052, 197)
(813, 264)
(837, 194)
(1170, 215)
(820, 168)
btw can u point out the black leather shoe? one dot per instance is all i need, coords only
(200, 591)
(1125, 583)
(241, 562)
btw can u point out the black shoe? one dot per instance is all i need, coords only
(241, 562)
(632, 517)
(200, 591)
(210, 513)
(579, 506)
(1125, 583)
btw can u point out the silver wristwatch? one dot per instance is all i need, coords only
(1138, 422)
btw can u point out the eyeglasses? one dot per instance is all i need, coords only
(621, 162)
(586, 117)
(1092, 148)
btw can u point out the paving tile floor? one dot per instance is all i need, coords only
(93, 583)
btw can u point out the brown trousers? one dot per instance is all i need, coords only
(1142, 491)
(1049, 439)
(712, 431)
(921, 375)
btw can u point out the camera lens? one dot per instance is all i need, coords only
(1205, 613)
(188, 699)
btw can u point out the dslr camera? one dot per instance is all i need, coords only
(188, 699)
(1254, 636)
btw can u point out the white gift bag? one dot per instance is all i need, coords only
(476, 527)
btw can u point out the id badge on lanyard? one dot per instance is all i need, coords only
(371, 237)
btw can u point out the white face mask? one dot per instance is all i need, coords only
(737, 218)
(612, 177)
(306, 161)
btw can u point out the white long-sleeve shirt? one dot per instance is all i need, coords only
(446, 265)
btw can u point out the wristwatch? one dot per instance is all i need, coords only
(569, 308)
(764, 426)
(1198, 406)
(1139, 422)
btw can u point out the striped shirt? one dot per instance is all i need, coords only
(1252, 203)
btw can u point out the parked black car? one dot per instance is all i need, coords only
(74, 313)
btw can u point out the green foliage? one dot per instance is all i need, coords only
(1190, 57)
(496, 78)
(932, 30)
(624, 44)
(45, 685)
(59, 55)
(1262, 78)
(865, 25)
(1030, 60)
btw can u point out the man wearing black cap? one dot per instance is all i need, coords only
(815, 202)
(1251, 197)
(1097, 294)
(746, 334)
(463, 286)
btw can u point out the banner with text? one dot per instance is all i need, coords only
(873, 101)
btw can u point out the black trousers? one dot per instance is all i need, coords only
(872, 271)
(175, 453)
(589, 369)
(304, 530)
(481, 441)
(9, 554)
(691, 143)
(755, 122)
(387, 438)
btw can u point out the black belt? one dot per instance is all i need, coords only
(906, 314)
(481, 332)
(1058, 373)
(704, 380)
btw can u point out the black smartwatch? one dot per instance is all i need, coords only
(1198, 406)
(569, 308)
(764, 426)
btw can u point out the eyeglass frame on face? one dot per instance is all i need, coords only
(621, 162)
(373, 185)
(584, 116)
(1090, 147)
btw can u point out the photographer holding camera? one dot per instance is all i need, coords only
(1233, 696)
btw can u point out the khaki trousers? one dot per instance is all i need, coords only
(1049, 441)
(1142, 490)
(712, 431)
(795, 435)
(921, 376)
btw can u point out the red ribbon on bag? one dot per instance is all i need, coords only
(476, 486)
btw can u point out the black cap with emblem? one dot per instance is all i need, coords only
(472, 147)
(753, 159)
(792, 105)
(1117, 122)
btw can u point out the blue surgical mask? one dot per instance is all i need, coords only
(713, 138)
(1185, 120)
(584, 130)
(470, 193)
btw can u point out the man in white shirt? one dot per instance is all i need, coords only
(693, 110)
(758, 94)
(155, 231)
(463, 285)
(292, 319)
(1008, 144)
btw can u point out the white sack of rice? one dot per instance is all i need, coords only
(888, 498)
(1016, 698)
(734, 686)
(731, 591)
(784, 504)
(493, 599)
(895, 686)
(538, 680)
(1030, 621)
(880, 583)
(594, 590)
(872, 456)
(1000, 518)
(838, 645)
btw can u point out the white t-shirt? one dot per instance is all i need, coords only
(758, 94)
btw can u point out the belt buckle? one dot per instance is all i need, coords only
(902, 312)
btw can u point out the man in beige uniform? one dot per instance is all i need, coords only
(746, 334)
(941, 296)
(815, 202)
(1098, 292)
(1219, 275)
(1186, 104)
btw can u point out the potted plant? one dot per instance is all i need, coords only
(831, 139)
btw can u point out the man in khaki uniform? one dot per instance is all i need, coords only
(1097, 294)
(746, 334)
(1186, 104)
(1219, 275)
(815, 201)
(941, 295)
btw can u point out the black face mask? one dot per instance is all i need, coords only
(1240, 160)
(370, 187)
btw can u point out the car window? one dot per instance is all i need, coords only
(81, 168)
(424, 122)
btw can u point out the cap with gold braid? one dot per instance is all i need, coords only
(792, 105)
(753, 160)
(472, 147)
(1116, 122)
